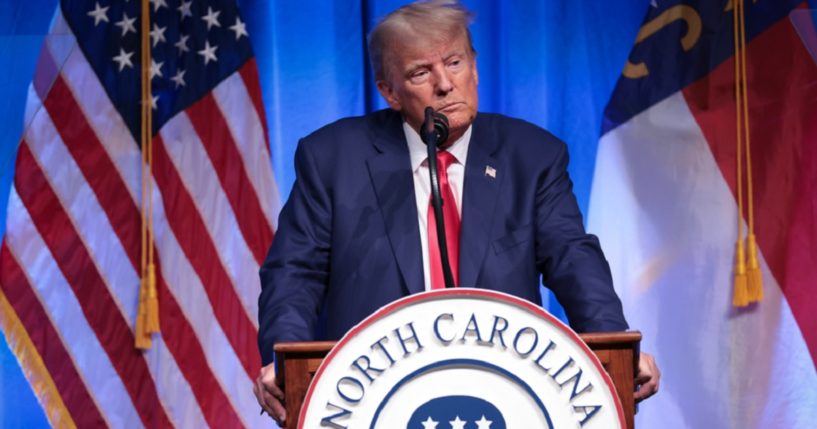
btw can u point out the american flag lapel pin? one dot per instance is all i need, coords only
(490, 171)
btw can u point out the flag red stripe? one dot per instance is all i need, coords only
(97, 168)
(98, 306)
(189, 355)
(215, 136)
(125, 219)
(198, 247)
(249, 74)
(783, 119)
(49, 345)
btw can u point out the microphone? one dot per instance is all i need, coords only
(435, 132)
(434, 127)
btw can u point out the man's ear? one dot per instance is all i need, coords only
(387, 92)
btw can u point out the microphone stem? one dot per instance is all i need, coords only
(430, 137)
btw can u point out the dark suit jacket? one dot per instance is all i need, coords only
(348, 240)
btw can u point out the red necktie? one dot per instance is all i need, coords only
(452, 227)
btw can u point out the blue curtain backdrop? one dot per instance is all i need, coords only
(550, 62)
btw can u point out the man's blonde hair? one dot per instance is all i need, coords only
(432, 22)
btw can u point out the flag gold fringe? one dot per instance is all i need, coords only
(33, 367)
(147, 316)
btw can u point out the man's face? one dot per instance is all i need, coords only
(443, 76)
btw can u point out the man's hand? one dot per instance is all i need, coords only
(269, 395)
(646, 381)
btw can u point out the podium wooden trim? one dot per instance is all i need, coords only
(296, 364)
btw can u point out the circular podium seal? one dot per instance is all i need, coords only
(461, 359)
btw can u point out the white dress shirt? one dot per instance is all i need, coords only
(422, 184)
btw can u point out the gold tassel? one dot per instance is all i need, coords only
(142, 338)
(152, 307)
(755, 278)
(754, 275)
(740, 296)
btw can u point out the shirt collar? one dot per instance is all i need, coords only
(419, 152)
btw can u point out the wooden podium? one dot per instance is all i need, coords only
(297, 362)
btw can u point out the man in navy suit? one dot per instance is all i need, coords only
(353, 235)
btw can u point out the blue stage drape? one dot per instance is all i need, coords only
(550, 62)
(553, 63)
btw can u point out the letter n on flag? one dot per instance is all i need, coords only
(70, 259)
(664, 205)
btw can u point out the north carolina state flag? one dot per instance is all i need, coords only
(664, 205)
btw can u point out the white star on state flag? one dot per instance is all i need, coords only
(211, 18)
(209, 52)
(157, 4)
(457, 423)
(153, 102)
(182, 43)
(155, 68)
(429, 424)
(99, 14)
(483, 423)
(184, 9)
(126, 24)
(123, 59)
(179, 78)
(240, 28)
(157, 34)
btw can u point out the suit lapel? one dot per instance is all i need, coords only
(391, 176)
(480, 192)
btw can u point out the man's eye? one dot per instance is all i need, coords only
(418, 76)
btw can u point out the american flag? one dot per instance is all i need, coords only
(70, 260)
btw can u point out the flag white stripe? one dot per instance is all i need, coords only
(55, 50)
(33, 106)
(244, 123)
(201, 180)
(104, 119)
(107, 254)
(184, 284)
(125, 155)
(111, 259)
(79, 200)
(175, 393)
(670, 247)
(223, 361)
(57, 297)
